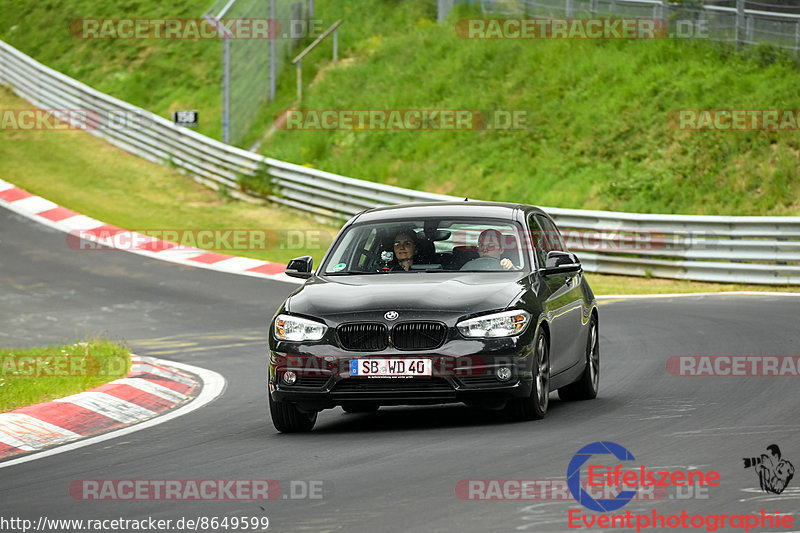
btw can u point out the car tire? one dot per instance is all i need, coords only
(360, 408)
(587, 386)
(534, 407)
(287, 418)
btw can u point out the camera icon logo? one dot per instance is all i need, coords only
(774, 473)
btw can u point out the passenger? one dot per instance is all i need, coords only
(405, 250)
(490, 248)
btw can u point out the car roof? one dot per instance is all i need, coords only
(500, 210)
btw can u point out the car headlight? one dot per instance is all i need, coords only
(292, 328)
(505, 324)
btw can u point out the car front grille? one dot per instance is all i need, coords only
(418, 335)
(486, 379)
(365, 336)
(373, 336)
(421, 384)
(312, 381)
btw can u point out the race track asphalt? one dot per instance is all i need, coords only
(397, 469)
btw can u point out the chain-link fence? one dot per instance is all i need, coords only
(250, 66)
(738, 21)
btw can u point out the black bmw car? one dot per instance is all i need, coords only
(472, 302)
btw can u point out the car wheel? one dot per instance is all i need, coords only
(587, 386)
(360, 408)
(535, 406)
(287, 418)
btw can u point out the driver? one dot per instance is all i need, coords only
(490, 248)
(405, 250)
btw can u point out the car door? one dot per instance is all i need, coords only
(564, 299)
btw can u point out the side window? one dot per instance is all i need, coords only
(538, 240)
(552, 237)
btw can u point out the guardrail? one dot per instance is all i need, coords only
(712, 248)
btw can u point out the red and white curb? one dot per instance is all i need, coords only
(152, 387)
(50, 214)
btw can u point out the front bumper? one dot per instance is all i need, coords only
(322, 384)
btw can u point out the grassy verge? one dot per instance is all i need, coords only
(96, 179)
(35, 375)
(124, 68)
(603, 284)
(596, 111)
(597, 135)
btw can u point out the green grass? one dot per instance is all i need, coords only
(96, 179)
(34, 375)
(607, 284)
(597, 137)
(187, 72)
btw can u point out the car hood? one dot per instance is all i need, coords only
(425, 292)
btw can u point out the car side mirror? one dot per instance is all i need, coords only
(560, 262)
(300, 267)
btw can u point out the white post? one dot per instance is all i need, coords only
(739, 22)
(797, 37)
(299, 82)
(226, 90)
(273, 56)
(335, 45)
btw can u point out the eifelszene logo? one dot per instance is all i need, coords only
(774, 473)
(617, 477)
(574, 476)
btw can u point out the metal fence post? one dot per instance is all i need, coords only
(665, 10)
(226, 90)
(749, 25)
(613, 6)
(299, 82)
(568, 13)
(797, 37)
(739, 22)
(593, 7)
(273, 56)
(310, 10)
(299, 59)
(335, 45)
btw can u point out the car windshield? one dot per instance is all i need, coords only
(428, 245)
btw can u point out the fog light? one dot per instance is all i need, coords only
(503, 373)
(289, 377)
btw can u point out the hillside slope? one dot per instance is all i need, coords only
(596, 111)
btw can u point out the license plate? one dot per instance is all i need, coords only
(390, 367)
